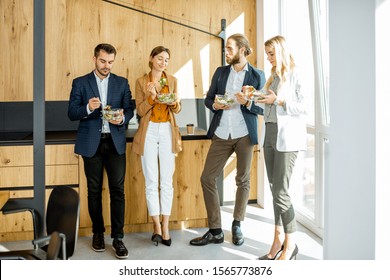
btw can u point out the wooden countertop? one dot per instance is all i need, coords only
(69, 137)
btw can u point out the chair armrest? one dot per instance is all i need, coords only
(56, 242)
(31, 210)
(39, 242)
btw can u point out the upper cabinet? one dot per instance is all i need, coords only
(73, 28)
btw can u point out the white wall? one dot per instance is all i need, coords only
(268, 25)
(350, 185)
(382, 50)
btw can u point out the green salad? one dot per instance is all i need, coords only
(109, 113)
(224, 100)
(166, 98)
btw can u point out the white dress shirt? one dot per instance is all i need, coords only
(232, 122)
(103, 88)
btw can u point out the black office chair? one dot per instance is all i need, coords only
(56, 241)
(62, 217)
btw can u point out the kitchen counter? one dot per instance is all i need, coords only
(63, 167)
(69, 137)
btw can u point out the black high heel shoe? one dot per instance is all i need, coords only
(295, 253)
(266, 258)
(167, 242)
(157, 238)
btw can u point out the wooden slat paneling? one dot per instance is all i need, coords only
(74, 28)
(16, 39)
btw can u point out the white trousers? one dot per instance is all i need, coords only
(157, 157)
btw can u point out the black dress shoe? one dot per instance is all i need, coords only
(207, 238)
(238, 237)
(120, 249)
(98, 242)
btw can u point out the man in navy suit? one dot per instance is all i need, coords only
(233, 129)
(102, 143)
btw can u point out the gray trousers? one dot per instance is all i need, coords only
(219, 153)
(279, 167)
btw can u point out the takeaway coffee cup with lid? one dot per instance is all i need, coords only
(190, 129)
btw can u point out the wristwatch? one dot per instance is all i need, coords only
(276, 102)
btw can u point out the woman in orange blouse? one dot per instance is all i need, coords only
(155, 140)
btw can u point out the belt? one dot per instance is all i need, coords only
(105, 135)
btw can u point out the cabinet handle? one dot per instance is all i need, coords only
(7, 160)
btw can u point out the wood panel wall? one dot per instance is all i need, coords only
(74, 28)
(16, 40)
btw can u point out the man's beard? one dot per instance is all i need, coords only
(234, 60)
(102, 73)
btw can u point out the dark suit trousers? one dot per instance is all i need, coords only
(219, 153)
(107, 158)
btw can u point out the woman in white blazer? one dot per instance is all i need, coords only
(283, 135)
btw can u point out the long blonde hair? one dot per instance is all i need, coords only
(284, 60)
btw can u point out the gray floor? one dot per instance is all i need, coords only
(257, 228)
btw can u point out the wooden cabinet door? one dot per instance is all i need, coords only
(16, 173)
(188, 202)
(135, 201)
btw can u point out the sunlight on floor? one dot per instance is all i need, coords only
(257, 229)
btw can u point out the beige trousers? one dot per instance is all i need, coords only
(219, 153)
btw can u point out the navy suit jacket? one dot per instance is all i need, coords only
(253, 77)
(90, 126)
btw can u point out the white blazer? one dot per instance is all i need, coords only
(292, 121)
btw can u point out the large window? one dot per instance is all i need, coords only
(304, 24)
